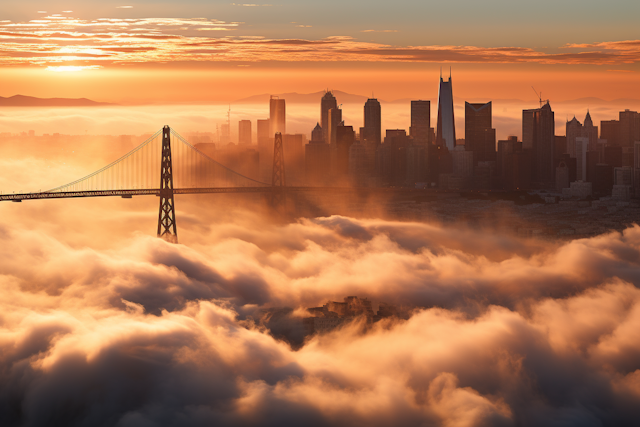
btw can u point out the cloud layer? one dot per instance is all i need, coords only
(502, 332)
(56, 39)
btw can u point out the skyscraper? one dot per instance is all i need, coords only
(372, 122)
(610, 130)
(244, 132)
(590, 131)
(316, 134)
(327, 103)
(333, 121)
(345, 137)
(420, 121)
(265, 148)
(317, 158)
(582, 146)
(480, 137)
(446, 135)
(573, 131)
(538, 137)
(277, 115)
(629, 128)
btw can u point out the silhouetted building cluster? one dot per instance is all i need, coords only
(585, 162)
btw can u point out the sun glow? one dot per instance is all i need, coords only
(72, 68)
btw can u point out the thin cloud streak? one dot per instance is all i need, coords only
(129, 41)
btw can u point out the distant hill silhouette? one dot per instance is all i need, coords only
(30, 101)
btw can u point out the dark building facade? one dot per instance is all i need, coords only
(372, 122)
(538, 138)
(446, 131)
(420, 121)
(480, 137)
(345, 137)
(327, 103)
(610, 130)
(317, 158)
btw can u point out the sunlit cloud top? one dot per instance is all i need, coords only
(56, 39)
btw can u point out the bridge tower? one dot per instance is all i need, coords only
(167, 216)
(277, 177)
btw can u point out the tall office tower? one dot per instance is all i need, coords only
(446, 132)
(590, 131)
(345, 137)
(327, 103)
(420, 121)
(372, 122)
(573, 131)
(333, 121)
(538, 137)
(480, 137)
(265, 149)
(559, 148)
(244, 132)
(277, 115)
(582, 146)
(316, 158)
(610, 130)
(629, 128)
(317, 134)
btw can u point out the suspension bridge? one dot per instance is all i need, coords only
(166, 164)
(159, 168)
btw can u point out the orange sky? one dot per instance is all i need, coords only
(140, 59)
(164, 83)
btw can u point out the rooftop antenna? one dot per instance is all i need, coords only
(449, 72)
(440, 73)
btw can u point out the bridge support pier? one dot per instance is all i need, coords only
(167, 215)
(278, 197)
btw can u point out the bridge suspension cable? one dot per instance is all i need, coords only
(204, 170)
(139, 169)
(117, 174)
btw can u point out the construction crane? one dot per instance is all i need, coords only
(539, 95)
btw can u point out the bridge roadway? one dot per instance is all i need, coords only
(220, 190)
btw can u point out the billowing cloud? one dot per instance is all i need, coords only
(159, 40)
(500, 331)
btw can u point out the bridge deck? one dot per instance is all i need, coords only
(156, 192)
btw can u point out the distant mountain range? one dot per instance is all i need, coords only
(30, 101)
(312, 98)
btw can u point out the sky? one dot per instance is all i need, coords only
(207, 51)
